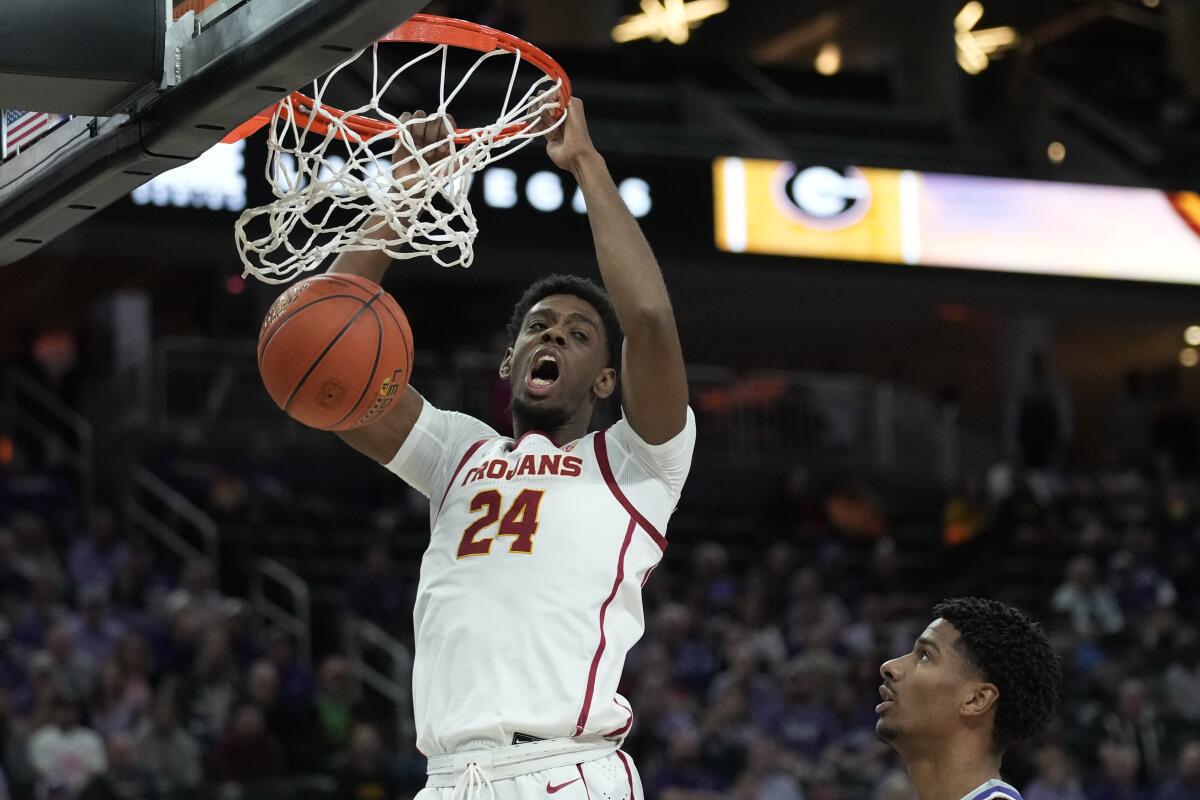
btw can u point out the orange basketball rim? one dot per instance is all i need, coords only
(419, 29)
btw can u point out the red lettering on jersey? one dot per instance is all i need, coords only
(496, 468)
(549, 465)
(528, 466)
(471, 475)
(489, 502)
(521, 521)
(572, 467)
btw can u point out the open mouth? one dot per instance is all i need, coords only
(543, 373)
(888, 698)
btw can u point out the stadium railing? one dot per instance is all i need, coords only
(61, 431)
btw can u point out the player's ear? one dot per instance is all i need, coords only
(983, 699)
(506, 364)
(605, 383)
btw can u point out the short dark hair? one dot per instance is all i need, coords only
(585, 290)
(1009, 649)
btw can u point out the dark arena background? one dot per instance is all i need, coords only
(936, 268)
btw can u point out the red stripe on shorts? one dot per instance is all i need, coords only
(628, 774)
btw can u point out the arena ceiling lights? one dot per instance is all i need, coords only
(975, 48)
(672, 20)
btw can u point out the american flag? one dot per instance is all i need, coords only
(22, 127)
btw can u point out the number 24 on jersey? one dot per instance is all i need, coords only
(520, 522)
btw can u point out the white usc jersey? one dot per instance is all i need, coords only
(530, 591)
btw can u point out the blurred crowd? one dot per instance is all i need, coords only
(125, 674)
(124, 677)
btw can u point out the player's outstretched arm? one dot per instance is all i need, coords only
(654, 382)
(382, 438)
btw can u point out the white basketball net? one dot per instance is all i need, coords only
(338, 194)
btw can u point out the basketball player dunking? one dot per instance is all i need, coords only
(530, 589)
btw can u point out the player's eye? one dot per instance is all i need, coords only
(536, 326)
(922, 654)
(581, 336)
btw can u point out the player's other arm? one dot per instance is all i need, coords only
(381, 439)
(654, 390)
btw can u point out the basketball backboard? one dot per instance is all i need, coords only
(223, 62)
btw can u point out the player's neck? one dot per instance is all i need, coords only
(568, 431)
(950, 774)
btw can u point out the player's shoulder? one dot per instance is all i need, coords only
(624, 434)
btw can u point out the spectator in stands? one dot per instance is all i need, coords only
(63, 752)
(248, 753)
(806, 724)
(1135, 723)
(856, 750)
(755, 612)
(119, 703)
(1140, 589)
(174, 644)
(124, 778)
(13, 583)
(815, 618)
(1056, 778)
(96, 557)
(129, 602)
(294, 728)
(240, 625)
(14, 750)
(1185, 784)
(206, 696)
(133, 657)
(1119, 771)
(167, 751)
(94, 632)
(1182, 680)
(712, 589)
(364, 773)
(33, 555)
(758, 690)
(686, 775)
(41, 611)
(296, 682)
(335, 707)
(378, 592)
(1093, 609)
(692, 659)
(765, 777)
(727, 733)
(76, 670)
(37, 703)
(197, 594)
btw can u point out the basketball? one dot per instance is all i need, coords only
(335, 351)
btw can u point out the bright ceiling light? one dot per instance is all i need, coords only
(1192, 335)
(672, 20)
(976, 47)
(829, 60)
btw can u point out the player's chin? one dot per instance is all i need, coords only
(886, 731)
